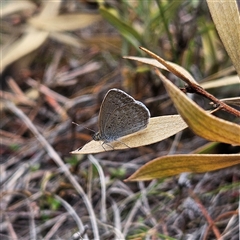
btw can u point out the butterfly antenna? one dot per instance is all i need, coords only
(83, 127)
(86, 128)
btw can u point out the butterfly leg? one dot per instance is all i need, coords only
(108, 144)
(123, 143)
(79, 148)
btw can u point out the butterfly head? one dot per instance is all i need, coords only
(97, 136)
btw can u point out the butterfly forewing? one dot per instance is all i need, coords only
(126, 120)
(120, 115)
(114, 98)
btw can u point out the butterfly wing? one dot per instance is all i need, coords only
(124, 116)
(114, 99)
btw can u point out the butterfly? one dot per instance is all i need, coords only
(120, 115)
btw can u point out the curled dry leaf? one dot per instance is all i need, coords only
(172, 165)
(159, 128)
(193, 86)
(201, 122)
(161, 63)
(173, 68)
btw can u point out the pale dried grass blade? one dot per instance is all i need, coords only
(232, 101)
(230, 80)
(16, 6)
(50, 8)
(29, 42)
(67, 39)
(64, 22)
(226, 18)
(47, 91)
(56, 158)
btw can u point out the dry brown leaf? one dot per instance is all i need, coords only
(172, 165)
(48, 21)
(201, 122)
(32, 39)
(29, 42)
(159, 128)
(64, 22)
